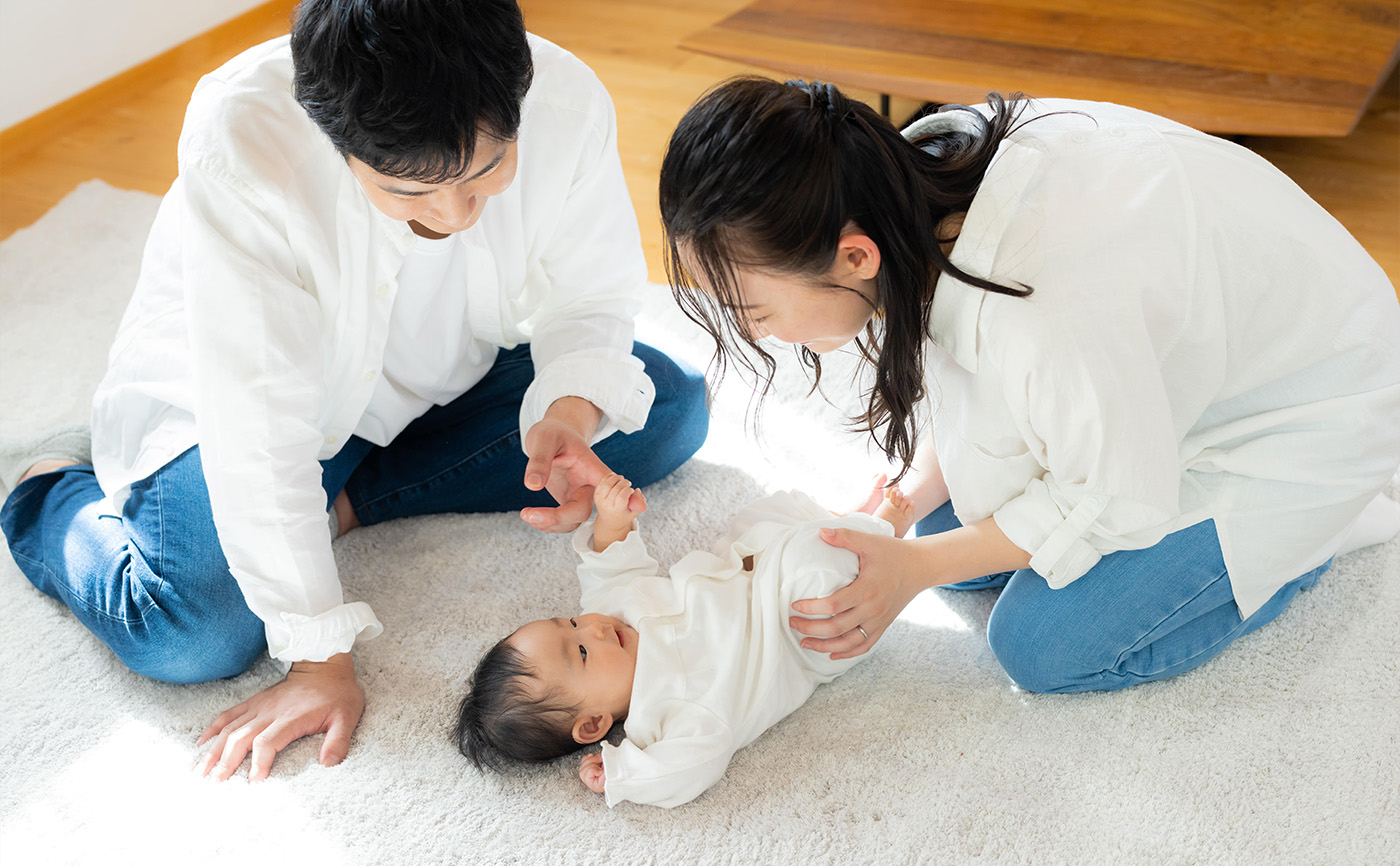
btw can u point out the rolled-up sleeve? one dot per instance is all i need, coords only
(1097, 414)
(582, 333)
(257, 367)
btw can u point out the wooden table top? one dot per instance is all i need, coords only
(1262, 67)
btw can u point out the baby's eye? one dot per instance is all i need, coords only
(583, 651)
(572, 623)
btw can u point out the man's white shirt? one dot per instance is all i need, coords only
(275, 317)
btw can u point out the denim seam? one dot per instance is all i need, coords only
(76, 599)
(160, 523)
(369, 506)
(1139, 644)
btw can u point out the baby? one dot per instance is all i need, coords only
(698, 664)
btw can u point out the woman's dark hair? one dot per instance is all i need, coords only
(500, 719)
(405, 86)
(767, 175)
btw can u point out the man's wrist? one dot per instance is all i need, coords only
(578, 414)
(338, 663)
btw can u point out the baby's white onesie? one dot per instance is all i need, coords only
(717, 664)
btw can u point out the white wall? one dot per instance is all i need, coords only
(53, 49)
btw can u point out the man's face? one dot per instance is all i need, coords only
(443, 208)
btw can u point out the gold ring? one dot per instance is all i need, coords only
(862, 633)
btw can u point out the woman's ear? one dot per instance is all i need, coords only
(857, 255)
(591, 729)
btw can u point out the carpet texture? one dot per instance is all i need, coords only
(1284, 750)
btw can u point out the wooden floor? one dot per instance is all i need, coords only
(124, 131)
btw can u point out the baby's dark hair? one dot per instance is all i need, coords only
(501, 718)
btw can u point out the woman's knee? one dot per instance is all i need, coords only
(1042, 652)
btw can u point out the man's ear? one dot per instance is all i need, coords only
(591, 729)
(857, 255)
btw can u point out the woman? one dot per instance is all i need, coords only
(1157, 385)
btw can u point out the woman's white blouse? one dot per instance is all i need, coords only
(1204, 342)
(272, 301)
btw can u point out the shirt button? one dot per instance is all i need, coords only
(382, 291)
(369, 375)
(332, 439)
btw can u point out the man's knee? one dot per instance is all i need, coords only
(196, 626)
(680, 416)
(196, 651)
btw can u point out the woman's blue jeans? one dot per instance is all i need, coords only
(1137, 616)
(153, 583)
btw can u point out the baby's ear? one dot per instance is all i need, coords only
(591, 729)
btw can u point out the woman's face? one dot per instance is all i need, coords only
(823, 317)
(822, 314)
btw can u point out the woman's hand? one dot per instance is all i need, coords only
(590, 770)
(892, 572)
(316, 697)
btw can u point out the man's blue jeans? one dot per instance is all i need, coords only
(153, 583)
(1137, 616)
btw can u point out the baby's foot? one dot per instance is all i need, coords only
(896, 510)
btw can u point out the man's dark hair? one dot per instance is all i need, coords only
(501, 719)
(405, 86)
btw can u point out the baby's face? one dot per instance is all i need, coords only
(589, 659)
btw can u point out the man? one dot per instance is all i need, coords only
(396, 275)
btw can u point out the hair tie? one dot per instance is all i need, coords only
(832, 95)
(823, 96)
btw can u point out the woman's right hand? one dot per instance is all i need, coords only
(892, 572)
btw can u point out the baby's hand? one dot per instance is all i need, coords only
(590, 770)
(617, 501)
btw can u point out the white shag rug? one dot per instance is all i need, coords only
(1284, 750)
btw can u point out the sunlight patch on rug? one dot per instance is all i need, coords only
(137, 783)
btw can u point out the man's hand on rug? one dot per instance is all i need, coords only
(562, 462)
(590, 770)
(315, 698)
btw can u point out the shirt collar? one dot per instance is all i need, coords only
(957, 307)
(953, 319)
